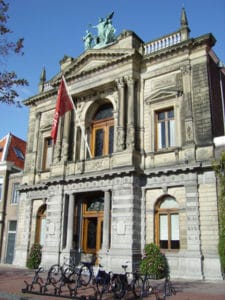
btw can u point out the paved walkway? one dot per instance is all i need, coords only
(12, 283)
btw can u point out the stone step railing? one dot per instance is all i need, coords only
(162, 43)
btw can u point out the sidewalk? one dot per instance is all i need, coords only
(12, 282)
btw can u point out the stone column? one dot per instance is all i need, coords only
(36, 132)
(66, 133)
(106, 222)
(69, 237)
(82, 144)
(193, 230)
(36, 144)
(57, 148)
(120, 129)
(130, 114)
(187, 96)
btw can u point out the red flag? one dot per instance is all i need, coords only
(63, 104)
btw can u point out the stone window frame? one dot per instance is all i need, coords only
(105, 125)
(41, 214)
(15, 193)
(44, 165)
(162, 105)
(165, 211)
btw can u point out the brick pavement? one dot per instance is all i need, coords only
(12, 282)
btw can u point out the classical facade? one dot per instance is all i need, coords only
(132, 163)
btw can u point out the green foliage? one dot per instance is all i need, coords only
(154, 263)
(34, 258)
(219, 168)
(9, 80)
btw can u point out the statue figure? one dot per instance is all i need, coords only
(88, 38)
(109, 32)
(105, 31)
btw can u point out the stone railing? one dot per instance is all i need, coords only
(164, 42)
(47, 86)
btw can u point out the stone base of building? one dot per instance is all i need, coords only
(20, 258)
(192, 265)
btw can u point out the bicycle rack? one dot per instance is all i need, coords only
(57, 284)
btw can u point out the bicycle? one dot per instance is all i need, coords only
(147, 288)
(169, 289)
(122, 283)
(160, 294)
(70, 275)
(103, 281)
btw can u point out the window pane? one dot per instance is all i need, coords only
(19, 153)
(171, 113)
(42, 231)
(169, 203)
(162, 134)
(161, 116)
(163, 229)
(175, 235)
(91, 233)
(99, 134)
(171, 135)
(175, 227)
(12, 225)
(111, 139)
(47, 159)
(1, 186)
(95, 205)
(106, 111)
(15, 193)
(48, 156)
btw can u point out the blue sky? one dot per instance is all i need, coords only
(54, 28)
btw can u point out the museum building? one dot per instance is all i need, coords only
(132, 161)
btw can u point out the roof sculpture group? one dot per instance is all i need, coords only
(105, 34)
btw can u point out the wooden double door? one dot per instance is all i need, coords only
(92, 228)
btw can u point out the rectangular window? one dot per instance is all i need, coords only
(163, 228)
(47, 154)
(165, 129)
(11, 242)
(15, 193)
(1, 187)
(99, 142)
(175, 235)
(111, 139)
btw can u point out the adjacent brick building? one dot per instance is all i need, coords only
(12, 157)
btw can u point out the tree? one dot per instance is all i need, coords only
(8, 79)
(219, 168)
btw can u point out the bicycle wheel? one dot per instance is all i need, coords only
(73, 284)
(85, 275)
(147, 288)
(137, 287)
(54, 274)
(169, 289)
(119, 286)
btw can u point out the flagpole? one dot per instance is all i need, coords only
(75, 110)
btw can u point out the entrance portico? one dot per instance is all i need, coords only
(86, 224)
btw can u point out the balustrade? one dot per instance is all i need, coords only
(162, 43)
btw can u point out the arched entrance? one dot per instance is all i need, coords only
(41, 225)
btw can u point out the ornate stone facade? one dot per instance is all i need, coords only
(161, 147)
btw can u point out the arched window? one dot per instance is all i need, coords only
(102, 131)
(167, 234)
(41, 225)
